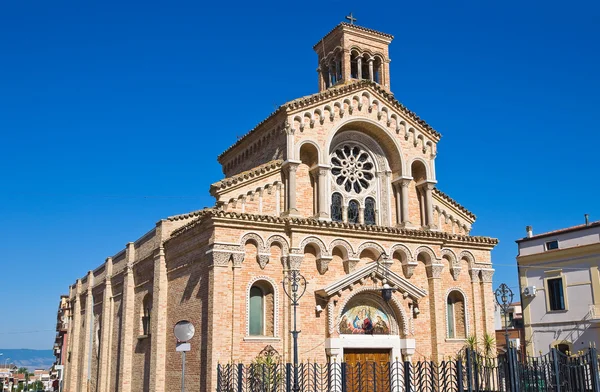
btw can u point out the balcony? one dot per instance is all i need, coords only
(595, 313)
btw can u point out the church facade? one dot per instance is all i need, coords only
(340, 186)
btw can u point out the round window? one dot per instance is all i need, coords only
(352, 168)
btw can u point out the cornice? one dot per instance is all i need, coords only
(561, 256)
(349, 26)
(237, 218)
(303, 102)
(252, 131)
(242, 177)
(454, 203)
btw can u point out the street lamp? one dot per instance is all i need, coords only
(504, 297)
(382, 262)
(184, 331)
(294, 287)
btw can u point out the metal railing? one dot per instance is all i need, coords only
(469, 371)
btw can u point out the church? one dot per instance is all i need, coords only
(339, 186)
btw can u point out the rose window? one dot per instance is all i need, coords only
(352, 168)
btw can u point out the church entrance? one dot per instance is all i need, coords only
(367, 369)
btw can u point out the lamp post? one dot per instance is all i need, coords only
(382, 262)
(183, 331)
(504, 297)
(294, 287)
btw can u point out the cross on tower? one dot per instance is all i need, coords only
(351, 18)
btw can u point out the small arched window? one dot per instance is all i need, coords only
(456, 316)
(257, 311)
(369, 211)
(146, 314)
(353, 211)
(261, 310)
(336, 207)
(353, 66)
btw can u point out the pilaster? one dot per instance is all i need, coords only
(158, 323)
(74, 344)
(107, 316)
(487, 295)
(437, 309)
(87, 335)
(476, 316)
(127, 321)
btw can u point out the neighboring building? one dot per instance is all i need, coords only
(61, 341)
(326, 185)
(563, 310)
(514, 321)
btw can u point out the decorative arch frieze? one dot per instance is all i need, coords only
(345, 245)
(369, 245)
(277, 239)
(320, 245)
(275, 303)
(408, 262)
(429, 252)
(453, 262)
(404, 250)
(466, 255)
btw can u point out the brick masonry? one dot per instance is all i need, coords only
(200, 266)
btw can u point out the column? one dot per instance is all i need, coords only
(437, 309)
(323, 204)
(404, 195)
(371, 76)
(73, 361)
(107, 315)
(127, 321)
(331, 70)
(426, 189)
(398, 196)
(359, 65)
(88, 333)
(291, 188)
(158, 323)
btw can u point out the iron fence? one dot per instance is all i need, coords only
(468, 372)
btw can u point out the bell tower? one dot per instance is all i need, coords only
(350, 53)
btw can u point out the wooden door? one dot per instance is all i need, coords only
(367, 370)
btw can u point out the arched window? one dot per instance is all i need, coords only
(369, 211)
(456, 316)
(336, 207)
(261, 309)
(353, 66)
(353, 211)
(146, 314)
(257, 311)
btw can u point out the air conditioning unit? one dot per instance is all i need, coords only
(529, 291)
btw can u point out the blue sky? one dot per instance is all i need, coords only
(112, 115)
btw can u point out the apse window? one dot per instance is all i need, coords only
(551, 245)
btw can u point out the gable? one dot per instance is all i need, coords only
(372, 269)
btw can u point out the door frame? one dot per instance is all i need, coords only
(401, 349)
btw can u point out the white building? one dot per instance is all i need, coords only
(560, 288)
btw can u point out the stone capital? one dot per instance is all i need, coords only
(409, 268)
(323, 263)
(474, 272)
(263, 259)
(434, 271)
(486, 275)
